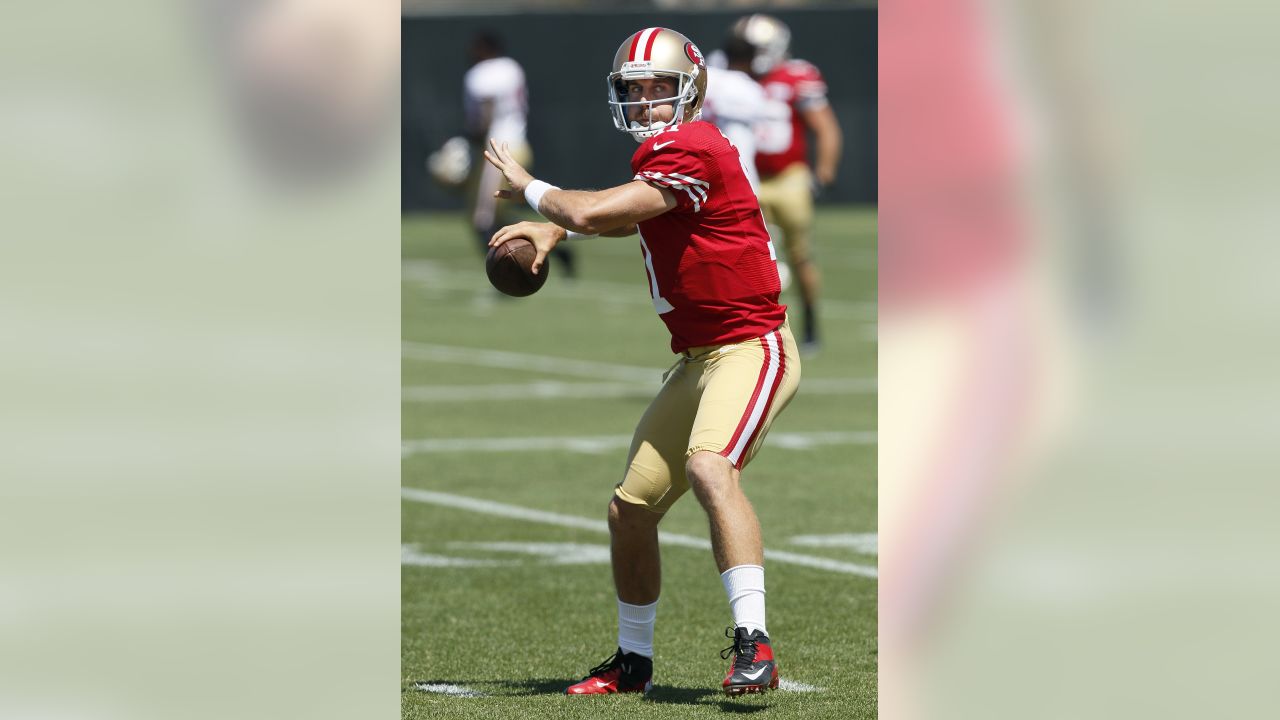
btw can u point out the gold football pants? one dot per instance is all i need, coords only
(721, 398)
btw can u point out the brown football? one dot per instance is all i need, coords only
(509, 268)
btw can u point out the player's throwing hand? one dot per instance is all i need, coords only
(499, 155)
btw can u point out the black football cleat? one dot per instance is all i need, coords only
(622, 673)
(753, 669)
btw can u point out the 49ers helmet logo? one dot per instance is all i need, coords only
(695, 55)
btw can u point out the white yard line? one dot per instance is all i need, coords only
(580, 444)
(539, 390)
(528, 361)
(594, 444)
(793, 686)
(558, 390)
(560, 553)
(432, 275)
(550, 553)
(865, 543)
(818, 563)
(447, 689)
(409, 555)
(807, 440)
(516, 512)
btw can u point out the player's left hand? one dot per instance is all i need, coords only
(500, 157)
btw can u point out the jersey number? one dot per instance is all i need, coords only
(659, 303)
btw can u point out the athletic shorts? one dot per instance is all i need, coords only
(721, 398)
(787, 201)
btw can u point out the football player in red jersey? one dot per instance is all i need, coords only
(712, 275)
(786, 183)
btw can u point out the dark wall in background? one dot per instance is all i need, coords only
(566, 59)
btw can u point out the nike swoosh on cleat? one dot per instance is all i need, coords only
(659, 146)
(756, 674)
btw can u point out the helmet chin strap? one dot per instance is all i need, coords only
(644, 132)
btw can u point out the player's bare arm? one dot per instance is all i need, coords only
(624, 231)
(591, 212)
(545, 236)
(829, 141)
(606, 211)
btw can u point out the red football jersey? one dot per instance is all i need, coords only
(798, 84)
(712, 270)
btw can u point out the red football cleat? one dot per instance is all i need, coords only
(622, 673)
(753, 668)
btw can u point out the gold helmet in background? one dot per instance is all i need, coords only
(770, 37)
(651, 53)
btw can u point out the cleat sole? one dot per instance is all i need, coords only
(734, 690)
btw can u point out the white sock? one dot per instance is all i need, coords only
(635, 627)
(744, 584)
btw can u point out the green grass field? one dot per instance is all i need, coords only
(507, 593)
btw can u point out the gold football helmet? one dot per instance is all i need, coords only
(768, 35)
(651, 53)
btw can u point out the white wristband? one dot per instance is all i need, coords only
(574, 234)
(534, 191)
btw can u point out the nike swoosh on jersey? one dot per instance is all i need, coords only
(659, 146)
(756, 674)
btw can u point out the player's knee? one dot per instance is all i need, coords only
(709, 474)
(625, 516)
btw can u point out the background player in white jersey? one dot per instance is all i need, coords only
(711, 274)
(786, 182)
(495, 105)
(737, 104)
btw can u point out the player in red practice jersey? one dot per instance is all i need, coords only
(712, 275)
(786, 183)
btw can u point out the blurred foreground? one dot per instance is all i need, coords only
(1077, 380)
